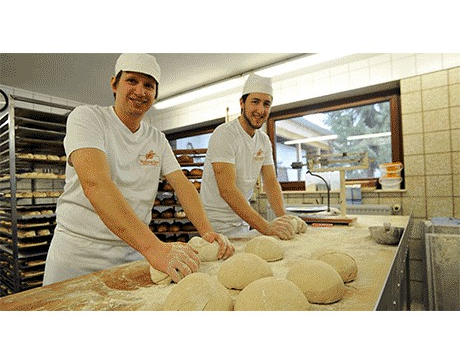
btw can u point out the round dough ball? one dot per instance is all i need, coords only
(198, 292)
(271, 294)
(298, 224)
(266, 247)
(159, 277)
(318, 281)
(342, 262)
(207, 252)
(301, 225)
(241, 269)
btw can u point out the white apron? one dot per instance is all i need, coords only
(70, 256)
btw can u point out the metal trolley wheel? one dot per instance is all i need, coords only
(3, 101)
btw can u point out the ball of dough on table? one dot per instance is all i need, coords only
(241, 269)
(342, 262)
(271, 294)
(159, 277)
(319, 282)
(198, 292)
(298, 224)
(266, 247)
(207, 252)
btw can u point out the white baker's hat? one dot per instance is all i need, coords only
(138, 62)
(258, 84)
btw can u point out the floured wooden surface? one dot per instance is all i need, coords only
(129, 287)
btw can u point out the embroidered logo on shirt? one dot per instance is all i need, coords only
(259, 155)
(150, 159)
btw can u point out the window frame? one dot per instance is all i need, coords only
(391, 95)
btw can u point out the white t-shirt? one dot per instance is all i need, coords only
(136, 160)
(231, 144)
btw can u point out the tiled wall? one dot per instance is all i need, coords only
(38, 96)
(430, 106)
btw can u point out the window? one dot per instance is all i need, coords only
(369, 123)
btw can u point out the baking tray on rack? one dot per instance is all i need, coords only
(24, 244)
(44, 116)
(6, 254)
(38, 134)
(42, 125)
(7, 280)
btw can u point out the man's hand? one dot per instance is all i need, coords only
(282, 228)
(226, 249)
(177, 260)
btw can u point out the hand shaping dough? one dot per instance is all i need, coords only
(271, 294)
(298, 224)
(266, 247)
(318, 281)
(241, 269)
(159, 277)
(207, 252)
(342, 262)
(198, 292)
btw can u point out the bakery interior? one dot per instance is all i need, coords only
(413, 184)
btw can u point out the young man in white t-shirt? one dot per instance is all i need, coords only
(115, 160)
(238, 152)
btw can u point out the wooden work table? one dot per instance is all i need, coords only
(380, 283)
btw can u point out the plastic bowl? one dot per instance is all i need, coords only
(390, 183)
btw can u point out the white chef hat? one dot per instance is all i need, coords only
(258, 84)
(138, 62)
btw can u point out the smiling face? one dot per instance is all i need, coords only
(135, 94)
(255, 111)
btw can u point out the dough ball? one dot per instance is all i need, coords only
(318, 281)
(241, 269)
(159, 277)
(298, 224)
(198, 292)
(271, 294)
(342, 262)
(266, 247)
(207, 252)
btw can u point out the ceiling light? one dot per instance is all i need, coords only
(271, 71)
(201, 92)
(299, 63)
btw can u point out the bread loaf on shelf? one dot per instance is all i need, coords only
(184, 159)
(196, 172)
(167, 214)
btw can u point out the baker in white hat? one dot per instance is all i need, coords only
(238, 153)
(115, 159)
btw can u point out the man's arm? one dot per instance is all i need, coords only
(109, 203)
(225, 174)
(273, 190)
